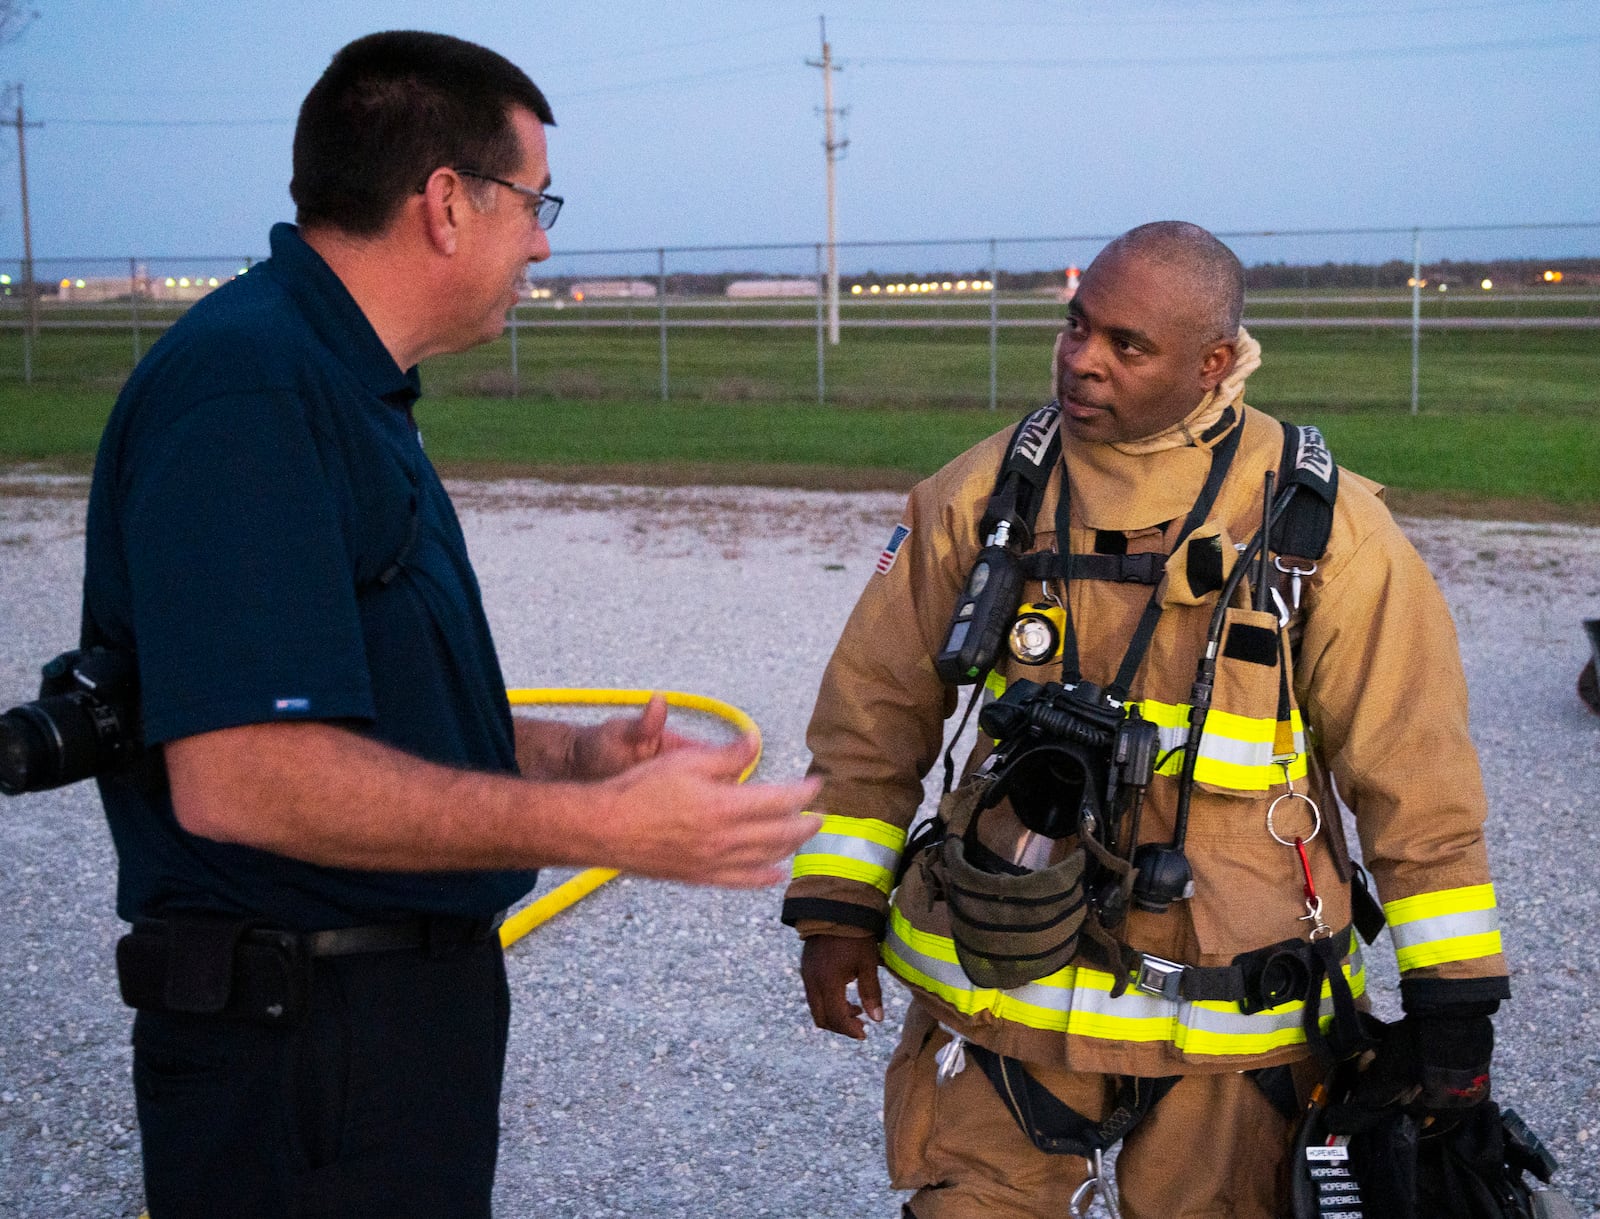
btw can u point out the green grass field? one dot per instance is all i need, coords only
(1510, 418)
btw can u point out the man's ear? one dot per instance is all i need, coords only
(443, 197)
(1217, 364)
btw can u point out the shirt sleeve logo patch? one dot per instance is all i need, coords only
(291, 704)
(892, 551)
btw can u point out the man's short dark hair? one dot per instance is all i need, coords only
(392, 108)
(1213, 269)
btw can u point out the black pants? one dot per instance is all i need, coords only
(383, 1102)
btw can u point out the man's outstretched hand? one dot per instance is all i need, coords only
(683, 815)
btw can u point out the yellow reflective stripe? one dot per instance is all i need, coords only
(1457, 948)
(843, 868)
(995, 683)
(1236, 751)
(1077, 1000)
(873, 830)
(1163, 715)
(1252, 778)
(852, 848)
(1444, 901)
(1447, 925)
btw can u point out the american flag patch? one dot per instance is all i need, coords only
(892, 550)
(291, 704)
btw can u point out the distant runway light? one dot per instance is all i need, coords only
(1486, 284)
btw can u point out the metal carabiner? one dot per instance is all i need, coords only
(951, 1058)
(1294, 573)
(1083, 1197)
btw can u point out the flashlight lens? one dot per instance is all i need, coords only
(1033, 639)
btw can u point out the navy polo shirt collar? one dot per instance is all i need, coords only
(338, 321)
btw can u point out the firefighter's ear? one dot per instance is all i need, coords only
(1216, 364)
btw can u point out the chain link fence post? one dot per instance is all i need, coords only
(661, 292)
(1416, 316)
(822, 383)
(994, 324)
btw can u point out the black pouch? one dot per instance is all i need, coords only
(208, 966)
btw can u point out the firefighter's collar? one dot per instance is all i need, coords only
(1124, 492)
(1130, 485)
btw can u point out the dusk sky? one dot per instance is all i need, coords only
(167, 125)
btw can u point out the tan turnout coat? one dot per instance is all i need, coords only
(1379, 707)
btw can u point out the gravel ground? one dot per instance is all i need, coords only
(662, 1060)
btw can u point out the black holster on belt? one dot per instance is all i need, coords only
(208, 965)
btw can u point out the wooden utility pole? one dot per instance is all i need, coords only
(30, 290)
(831, 147)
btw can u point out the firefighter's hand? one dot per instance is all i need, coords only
(828, 964)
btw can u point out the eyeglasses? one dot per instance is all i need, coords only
(545, 207)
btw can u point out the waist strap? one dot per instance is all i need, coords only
(1262, 978)
(431, 932)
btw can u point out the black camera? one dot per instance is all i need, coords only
(84, 722)
(1063, 754)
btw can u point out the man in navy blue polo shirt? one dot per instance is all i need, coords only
(337, 802)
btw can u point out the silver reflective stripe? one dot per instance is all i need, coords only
(1445, 927)
(847, 846)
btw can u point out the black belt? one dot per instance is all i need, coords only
(1279, 973)
(203, 964)
(1254, 980)
(429, 932)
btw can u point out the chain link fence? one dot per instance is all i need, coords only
(1401, 318)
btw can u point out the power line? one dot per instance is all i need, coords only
(661, 82)
(171, 122)
(1343, 55)
(1189, 18)
(663, 48)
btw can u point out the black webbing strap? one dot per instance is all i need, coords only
(1367, 914)
(1221, 462)
(1258, 979)
(1145, 568)
(1053, 1126)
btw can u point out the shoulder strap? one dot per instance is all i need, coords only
(1019, 486)
(1307, 466)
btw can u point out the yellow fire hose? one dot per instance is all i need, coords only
(586, 882)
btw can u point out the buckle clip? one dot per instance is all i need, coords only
(1159, 976)
(1145, 568)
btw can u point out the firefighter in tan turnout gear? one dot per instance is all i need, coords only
(1132, 920)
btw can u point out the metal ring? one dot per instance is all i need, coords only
(1316, 825)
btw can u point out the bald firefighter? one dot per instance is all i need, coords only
(1132, 920)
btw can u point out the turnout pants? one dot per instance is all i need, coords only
(1213, 1147)
(383, 1101)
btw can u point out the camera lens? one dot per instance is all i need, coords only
(26, 750)
(56, 741)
